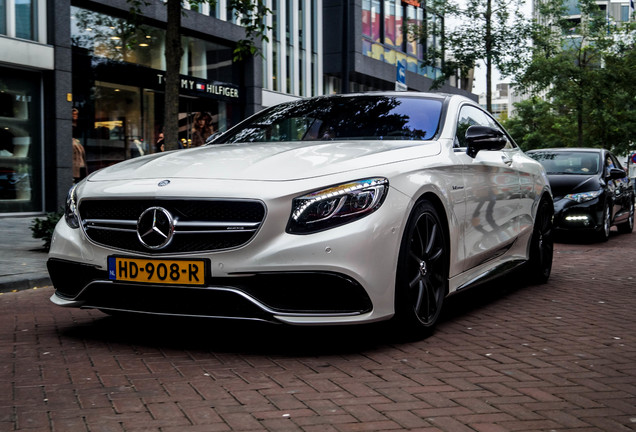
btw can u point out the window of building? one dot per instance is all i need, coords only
(291, 56)
(26, 19)
(387, 34)
(290, 29)
(116, 39)
(624, 13)
(315, 41)
(572, 7)
(19, 19)
(302, 49)
(275, 45)
(371, 19)
(3, 17)
(389, 23)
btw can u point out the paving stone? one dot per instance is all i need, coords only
(506, 357)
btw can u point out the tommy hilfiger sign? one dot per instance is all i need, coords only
(204, 87)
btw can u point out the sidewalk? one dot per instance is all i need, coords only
(22, 258)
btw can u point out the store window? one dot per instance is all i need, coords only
(118, 90)
(20, 142)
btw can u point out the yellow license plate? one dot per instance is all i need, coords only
(162, 271)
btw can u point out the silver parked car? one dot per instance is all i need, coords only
(330, 210)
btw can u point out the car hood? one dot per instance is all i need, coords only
(278, 161)
(563, 184)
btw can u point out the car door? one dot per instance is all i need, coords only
(492, 187)
(618, 188)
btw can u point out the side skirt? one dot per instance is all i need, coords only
(491, 274)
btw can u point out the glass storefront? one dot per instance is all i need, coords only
(118, 80)
(20, 141)
(385, 34)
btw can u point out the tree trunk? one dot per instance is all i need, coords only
(488, 40)
(173, 53)
(579, 122)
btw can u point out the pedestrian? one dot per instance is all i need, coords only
(160, 144)
(79, 161)
(201, 129)
(79, 154)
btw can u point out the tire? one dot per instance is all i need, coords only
(422, 272)
(604, 233)
(541, 251)
(627, 227)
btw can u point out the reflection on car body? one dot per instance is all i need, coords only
(591, 190)
(331, 210)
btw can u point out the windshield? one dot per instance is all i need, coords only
(574, 162)
(342, 118)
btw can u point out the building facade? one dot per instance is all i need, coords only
(501, 101)
(82, 86)
(26, 73)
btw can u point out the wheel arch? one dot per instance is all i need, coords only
(544, 196)
(439, 206)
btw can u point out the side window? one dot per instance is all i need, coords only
(613, 162)
(469, 116)
(609, 164)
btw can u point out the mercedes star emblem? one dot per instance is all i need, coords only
(155, 228)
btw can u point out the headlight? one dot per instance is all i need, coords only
(336, 205)
(583, 196)
(70, 212)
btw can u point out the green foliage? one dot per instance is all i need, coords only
(584, 71)
(43, 228)
(534, 126)
(492, 31)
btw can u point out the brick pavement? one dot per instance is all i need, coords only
(506, 357)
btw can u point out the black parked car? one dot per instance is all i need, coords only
(591, 190)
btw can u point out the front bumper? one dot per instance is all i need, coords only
(344, 275)
(267, 296)
(573, 216)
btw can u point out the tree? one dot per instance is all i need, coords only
(534, 125)
(492, 31)
(250, 13)
(584, 70)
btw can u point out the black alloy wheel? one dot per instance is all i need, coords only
(628, 226)
(604, 233)
(542, 244)
(422, 271)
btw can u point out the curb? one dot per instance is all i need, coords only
(23, 282)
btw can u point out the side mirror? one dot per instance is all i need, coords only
(616, 174)
(484, 138)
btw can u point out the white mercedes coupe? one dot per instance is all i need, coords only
(325, 211)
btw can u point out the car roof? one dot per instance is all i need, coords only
(568, 149)
(431, 95)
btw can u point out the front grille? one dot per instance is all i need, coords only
(199, 225)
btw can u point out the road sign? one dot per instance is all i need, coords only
(400, 80)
